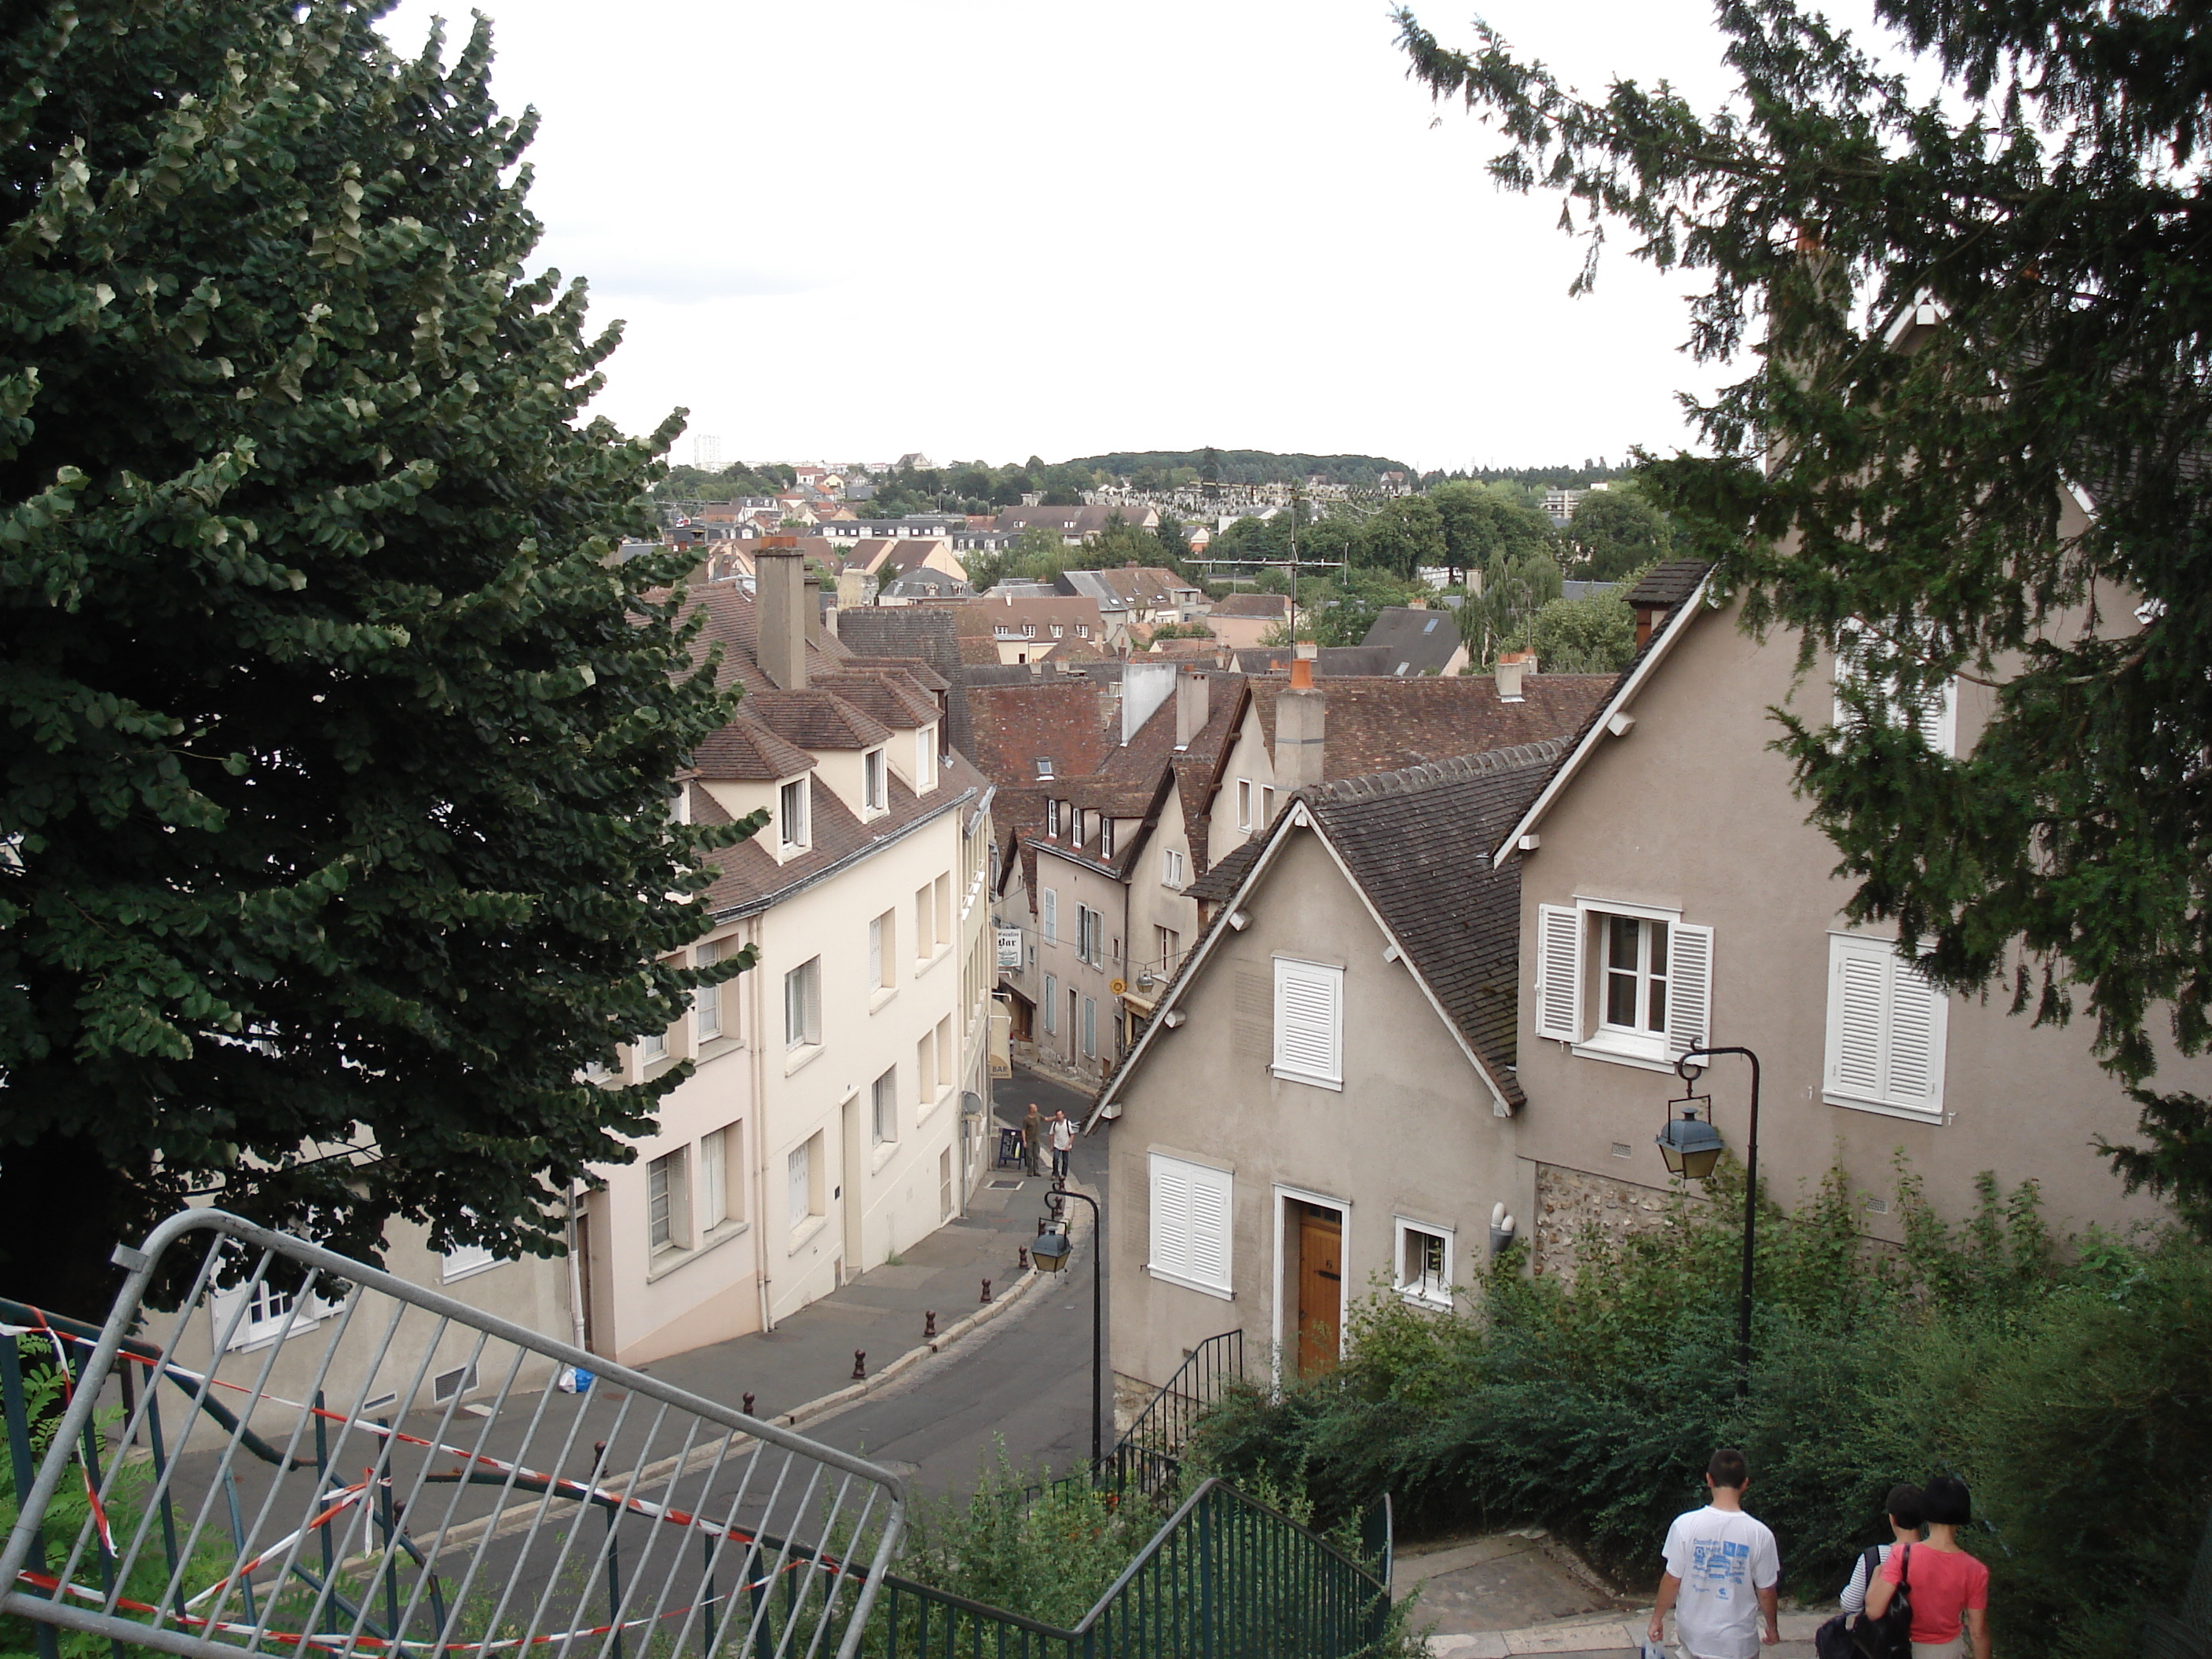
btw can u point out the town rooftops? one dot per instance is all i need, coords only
(1272, 607)
(745, 752)
(1383, 723)
(1417, 641)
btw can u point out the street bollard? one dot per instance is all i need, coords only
(859, 1365)
(1021, 1258)
(747, 1407)
(1040, 1226)
(987, 1290)
(929, 1324)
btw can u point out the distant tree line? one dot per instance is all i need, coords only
(1170, 468)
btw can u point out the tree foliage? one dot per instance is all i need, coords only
(1613, 531)
(1401, 536)
(2048, 207)
(1482, 522)
(1593, 635)
(336, 749)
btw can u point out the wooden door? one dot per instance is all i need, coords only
(1321, 1288)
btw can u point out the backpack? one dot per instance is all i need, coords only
(1833, 1639)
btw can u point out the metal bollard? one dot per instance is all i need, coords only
(1040, 1227)
(987, 1290)
(859, 1365)
(929, 1324)
(1021, 1258)
(747, 1407)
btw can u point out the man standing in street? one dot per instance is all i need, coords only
(1063, 1142)
(1033, 1140)
(1722, 1568)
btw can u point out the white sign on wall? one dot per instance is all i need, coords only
(1010, 947)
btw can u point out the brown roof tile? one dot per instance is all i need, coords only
(885, 694)
(1380, 725)
(745, 750)
(817, 719)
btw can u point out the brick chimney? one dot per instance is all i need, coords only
(1301, 723)
(779, 600)
(815, 631)
(1194, 706)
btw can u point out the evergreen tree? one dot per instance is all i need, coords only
(2047, 216)
(336, 747)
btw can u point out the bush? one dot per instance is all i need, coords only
(2069, 1383)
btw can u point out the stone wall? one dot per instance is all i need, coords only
(1569, 1200)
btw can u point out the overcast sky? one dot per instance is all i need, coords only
(978, 228)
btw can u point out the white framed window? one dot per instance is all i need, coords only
(1243, 803)
(802, 1181)
(1043, 767)
(875, 795)
(1886, 1030)
(882, 1108)
(667, 1202)
(1105, 837)
(1267, 807)
(1933, 712)
(925, 759)
(1310, 1023)
(1051, 1004)
(1051, 923)
(794, 820)
(653, 1046)
(679, 804)
(1424, 1271)
(1172, 868)
(1052, 818)
(883, 945)
(802, 1004)
(265, 1314)
(1190, 1224)
(1167, 945)
(1623, 982)
(707, 1000)
(721, 1154)
(467, 1261)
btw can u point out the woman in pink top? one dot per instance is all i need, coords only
(1948, 1588)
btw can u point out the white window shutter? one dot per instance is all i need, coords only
(1051, 916)
(1559, 973)
(1209, 1227)
(1309, 1020)
(1916, 1013)
(1855, 1022)
(1689, 988)
(1171, 1218)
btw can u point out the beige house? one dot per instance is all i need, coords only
(1243, 622)
(1023, 630)
(1674, 894)
(1324, 1104)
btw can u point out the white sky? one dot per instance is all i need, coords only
(850, 228)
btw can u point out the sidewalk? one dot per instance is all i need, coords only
(804, 1367)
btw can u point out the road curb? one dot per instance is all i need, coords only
(946, 1338)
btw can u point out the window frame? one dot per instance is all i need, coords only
(1171, 869)
(794, 814)
(1173, 1250)
(883, 1110)
(667, 1187)
(875, 781)
(1842, 946)
(1560, 989)
(1418, 1289)
(1243, 803)
(1327, 978)
(806, 980)
(1643, 977)
(1050, 1001)
(707, 1000)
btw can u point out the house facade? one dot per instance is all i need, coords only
(1324, 1104)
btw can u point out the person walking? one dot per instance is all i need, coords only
(1722, 1569)
(1063, 1142)
(1903, 1512)
(1949, 1589)
(1033, 1139)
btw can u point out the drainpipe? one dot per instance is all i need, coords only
(575, 1276)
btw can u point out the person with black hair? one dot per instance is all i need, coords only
(1722, 1569)
(1902, 1513)
(1950, 1594)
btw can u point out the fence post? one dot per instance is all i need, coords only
(1205, 1518)
(19, 1454)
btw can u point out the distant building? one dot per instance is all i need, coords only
(1418, 640)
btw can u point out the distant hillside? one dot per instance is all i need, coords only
(1247, 465)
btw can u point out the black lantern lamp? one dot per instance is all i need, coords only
(1049, 1251)
(1689, 1143)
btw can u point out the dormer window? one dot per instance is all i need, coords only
(793, 818)
(1052, 817)
(1028, 630)
(1058, 632)
(873, 794)
(1044, 766)
(925, 760)
(1105, 838)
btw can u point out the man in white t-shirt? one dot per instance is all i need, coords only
(1722, 1567)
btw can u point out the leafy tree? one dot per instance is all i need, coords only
(335, 752)
(1594, 634)
(1482, 521)
(2051, 208)
(1344, 610)
(1614, 532)
(1402, 535)
(1514, 589)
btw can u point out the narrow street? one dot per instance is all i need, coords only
(1024, 1380)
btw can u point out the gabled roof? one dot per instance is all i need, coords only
(1414, 843)
(1417, 641)
(1680, 613)
(745, 752)
(818, 719)
(1379, 724)
(1272, 607)
(886, 696)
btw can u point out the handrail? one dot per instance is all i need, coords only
(1221, 1354)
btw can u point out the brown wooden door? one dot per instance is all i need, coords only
(1321, 1288)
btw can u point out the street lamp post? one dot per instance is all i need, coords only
(1054, 1261)
(1690, 1149)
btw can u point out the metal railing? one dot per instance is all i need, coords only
(1226, 1578)
(2186, 1633)
(1148, 1456)
(355, 1464)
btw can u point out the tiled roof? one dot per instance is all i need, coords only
(1380, 725)
(1668, 584)
(1334, 661)
(1061, 720)
(817, 719)
(1222, 879)
(886, 696)
(923, 631)
(1417, 641)
(731, 623)
(745, 750)
(1274, 607)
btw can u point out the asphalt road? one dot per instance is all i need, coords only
(1024, 1380)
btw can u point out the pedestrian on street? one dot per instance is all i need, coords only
(1722, 1569)
(1063, 1142)
(1033, 1139)
(1902, 1511)
(1950, 1589)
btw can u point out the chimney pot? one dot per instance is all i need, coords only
(1511, 665)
